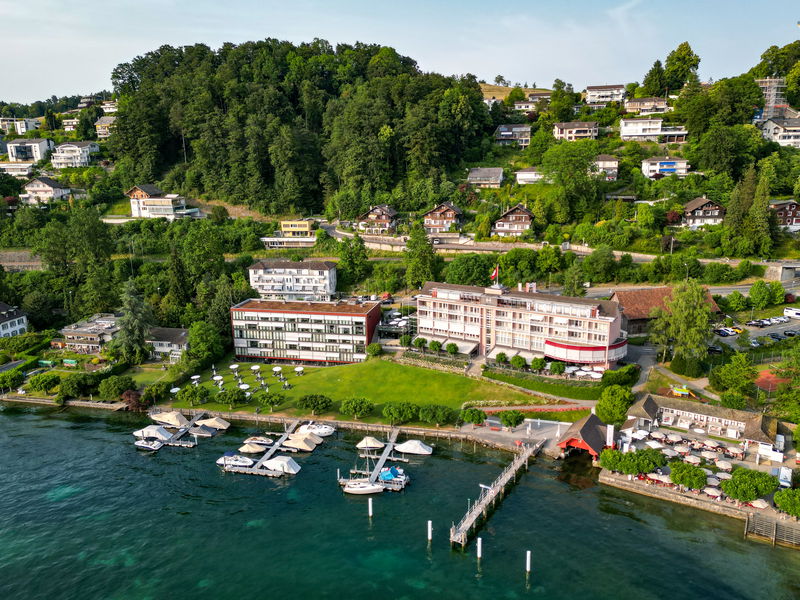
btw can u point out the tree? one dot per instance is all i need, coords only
(736, 301)
(73, 386)
(746, 485)
(405, 340)
(11, 379)
(420, 343)
(219, 214)
(518, 362)
(614, 403)
(435, 346)
(573, 281)
(400, 412)
(689, 317)
(233, 397)
(511, 418)
(760, 295)
(193, 395)
(777, 293)
(44, 382)
(205, 343)
(473, 415)
(357, 407)
(269, 399)
(501, 358)
(739, 374)
(557, 368)
(788, 501)
(741, 199)
(471, 269)
(687, 475)
(154, 393)
(600, 264)
(732, 399)
(756, 224)
(680, 64)
(611, 459)
(420, 259)
(538, 364)
(354, 262)
(436, 414)
(743, 340)
(316, 403)
(134, 325)
(654, 83)
(374, 349)
(451, 349)
(111, 388)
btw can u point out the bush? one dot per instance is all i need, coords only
(400, 412)
(316, 403)
(435, 346)
(78, 384)
(627, 376)
(11, 379)
(436, 414)
(374, 349)
(614, 404)
(501, 358)
(788, 501)
(357, 407)
(473, 415)
(557, 368)
(44, 382)
(511, 418)
(405, 340)
(111, 388)
(632, 463)
(538, 364)
(518, 362)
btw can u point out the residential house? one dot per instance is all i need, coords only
(109, 107)
(787, 213)
(663, 166)
(525, 105)
(539, 96)
(528, 175)
(702, 211)
(495, 319)
(20, 170)
(149, 202)
(312, 332)
(103, 127)
(87, 101)
(775, 104)
(597, 94)
(607, 166)
(647, 106)
(90, 335)
(44, 190)
(588, 433)
(575, 130)
(650, 130)
(378, 220)
(755, 428)
(169, 343)
(506, 135)
(73, 154)
(514, 222)
(292, 280)
(29, 150)
(785, 132)
(70, 124)
(19, 126)
(485, 177)
(13, 321)
(637, 306)
(292, 234)
(442, 217)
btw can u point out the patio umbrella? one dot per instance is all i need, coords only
(711, 443)
(195, 377)
(674, 437)
(639, 434)
(692, 459)
(298, 369)
(657, 435)
(682, 449)
(233, 367)
(669, 452)
(759, 503)
(217, 378)
(708, 455)
(277, 369)
(175, 390)
(654, 444)
(713, 492)
(724, 465)
(594, 375)
(708, 472)
(723, 475)
(712, 481)
(255, 367)
(244, 386)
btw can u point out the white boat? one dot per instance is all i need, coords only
(150, 444)
(319, 429)
(361, 487)
(234, 460)
(394, 475)
(414, 447)
(170, 418)
(258, 439)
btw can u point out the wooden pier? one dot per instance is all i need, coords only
(176, 440)
(769, 529)
(460, 533)
(258, 468)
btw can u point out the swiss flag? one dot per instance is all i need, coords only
(496, 273)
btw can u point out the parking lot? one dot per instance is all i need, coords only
(756, 332)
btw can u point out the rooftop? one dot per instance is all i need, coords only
(639, 304)
(78, 144)
(576, 125)
(9, 312)
(786, 122)
(486, 173)
(27, 141)
(659, 159)
(606, 158)
(147, 188)
(590, 430)
(314, 265)
(698, 202)
(173, 335)
(99, 323)
(334, 308)
(605, 87)
(48, 181)
(445, 205)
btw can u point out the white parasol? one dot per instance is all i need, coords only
(175, 390)
(639, 434)
(759, 504)
(674, 437)
(682, 449)
(195, 377)
(217, 378)
(724, 465)
(708, 455)
(255, 368)
(692, 459)
(654, 444)
(657, 435)
(669, 452)
(712, 481)
(713, 492)
(298, 369)
(723, 475)
(244, 386)
(277, 369)
(708, 472)
(711, 443)
(233, 367)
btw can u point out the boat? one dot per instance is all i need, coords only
(319, 429)
(231, 459)
(170, 418)
(258, 439)
(394, 475)
(151, 444)
(215, 423)
(303, 444)
(202, 431)
(251, 448)
(370, 443)
(153, 432)
(361, 487)
(282, 464)
(311, 437)
(414, 447)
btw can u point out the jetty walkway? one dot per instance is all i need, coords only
(175, 439)
(258, 468)
(460, 533)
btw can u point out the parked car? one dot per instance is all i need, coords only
(790, 333)
(737, 329)
(775, 321)
(714, 350)
(755, 344)
(729, 331)
(766, 322)
(721, 333)
(757, 323)
(777, 337)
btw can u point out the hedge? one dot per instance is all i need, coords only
(576, 391)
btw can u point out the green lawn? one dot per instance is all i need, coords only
(146, 375)
(556, 387)
(565, 416)
(380, 381)
(119, 208)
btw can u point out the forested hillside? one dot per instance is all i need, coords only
(278, 126)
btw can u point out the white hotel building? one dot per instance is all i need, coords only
(292, 280)
(314, 332)
(494, 320)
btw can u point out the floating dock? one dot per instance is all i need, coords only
(176, 440)
(460, 533)
(258, 468)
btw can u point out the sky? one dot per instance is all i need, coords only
(54, 47)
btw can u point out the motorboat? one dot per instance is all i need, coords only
(319, 429)
(258, 439)
(230, 459)
(170, 418)
(151, 444)
(202, 431)
(414, 447)
(361, 487)
(394, 475)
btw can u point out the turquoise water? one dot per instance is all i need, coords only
(85, 515)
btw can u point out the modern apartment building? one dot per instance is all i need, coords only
(514, 133)
(785, 132)
(90, 335)
(650, 130)
(18, 126)
(293, 280)
(596, 94)
(29, 150)
(20, 170)
(775, 105)
(292, 234)
(514, 222)
(109, 107)
(73, 154)
(70, 124)
(528, 175)
(314, 332)
(493, 320)
(575, 130)
(664, 166)
(13, 321)
(149, 202)
(647, 106)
